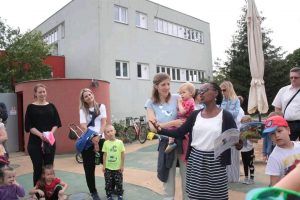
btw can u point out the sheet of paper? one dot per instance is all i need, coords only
(226, 140)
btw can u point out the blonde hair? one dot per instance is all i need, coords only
(36, 88)
(84, 106)
(246, 118)
(228, 86)
(107, 126)
(189, 86)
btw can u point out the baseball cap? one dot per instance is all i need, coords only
(272, 123)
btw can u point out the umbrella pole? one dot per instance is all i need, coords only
(259, 116)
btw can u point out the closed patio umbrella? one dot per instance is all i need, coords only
(257, 95)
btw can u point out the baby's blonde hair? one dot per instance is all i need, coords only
(189, 86)
(246, 119)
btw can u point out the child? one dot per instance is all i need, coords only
(49, 187)
(247, 153)
(9, 188)
(113, 163)
(186, 106)
(3, 153)
(286, 154)
(268, 145)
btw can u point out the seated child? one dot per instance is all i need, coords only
(3, 153)
(49, 186)
(286, 154)
(247, 153)
(186, 106)
(113, 163)
(10, 189)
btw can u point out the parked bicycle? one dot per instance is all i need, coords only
(137, 129)
(74, 134)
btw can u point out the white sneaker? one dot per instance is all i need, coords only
(245, 181)
(250, 181)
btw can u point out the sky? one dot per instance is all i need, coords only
(282, 17)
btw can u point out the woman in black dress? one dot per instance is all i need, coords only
(41, 116)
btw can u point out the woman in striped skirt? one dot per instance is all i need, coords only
(206, 177)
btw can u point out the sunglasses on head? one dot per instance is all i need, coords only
(272, 193)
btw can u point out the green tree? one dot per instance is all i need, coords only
(293, 59)
(238, 69)
(22, 57)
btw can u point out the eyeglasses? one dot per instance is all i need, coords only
(202, 91)
(294, 77)
(223, 90)
(271, 193)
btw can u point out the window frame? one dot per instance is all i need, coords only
(120, 9)
(121, 69)
(147, 72)
(139, 14)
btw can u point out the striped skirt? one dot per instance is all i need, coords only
(205, 178)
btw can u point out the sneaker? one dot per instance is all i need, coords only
(120, 197)
(170, 147)
(245, 181)
(250, 182)
(110, 198)
(95, 196)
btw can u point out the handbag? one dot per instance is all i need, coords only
(72, 135)
(84, 141)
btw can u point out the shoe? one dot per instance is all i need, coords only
(120, 197)
(170, 147)
(110, 198)
(95, 196)
(250, 181)
(245, 181)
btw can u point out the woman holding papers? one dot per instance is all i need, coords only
(206, 177)
(231, 103)
(41, 121)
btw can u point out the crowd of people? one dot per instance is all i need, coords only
(188, 124)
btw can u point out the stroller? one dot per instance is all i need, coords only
(74, 133)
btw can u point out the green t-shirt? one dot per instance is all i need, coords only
(113, 150)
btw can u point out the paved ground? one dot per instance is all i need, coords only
(140, 182)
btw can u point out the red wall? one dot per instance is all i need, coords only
(64, 93)
(57, 64)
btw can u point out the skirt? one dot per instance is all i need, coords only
(206, 178)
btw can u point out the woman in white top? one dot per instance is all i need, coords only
(93, 117)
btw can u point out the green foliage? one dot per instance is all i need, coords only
(237, 68)
(23, 57)
(293, 60)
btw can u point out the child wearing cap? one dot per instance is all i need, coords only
(286, 154)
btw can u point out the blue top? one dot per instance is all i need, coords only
(233, 106)
(164, 112)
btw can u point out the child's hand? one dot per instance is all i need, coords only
(61, 192)
(41, 193)
(179, 100)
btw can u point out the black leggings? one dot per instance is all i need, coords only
(88, 157)
(54, 195)
(39, 159)
(247, 158)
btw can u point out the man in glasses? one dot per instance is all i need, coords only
(286, 154)
(287, 101)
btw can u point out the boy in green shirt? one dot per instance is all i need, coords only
(113, 162)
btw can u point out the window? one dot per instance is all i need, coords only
(51, 37)
(143, 71)
(122, 69)
(141, 20)
(120, 14)
(170, 28)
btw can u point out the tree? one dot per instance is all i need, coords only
(238, 69)
(22, 58)
(293, 59)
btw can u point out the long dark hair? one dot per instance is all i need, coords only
(158, 78)
(219, 97)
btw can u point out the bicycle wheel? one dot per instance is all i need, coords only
(143, 134)
(131, 134)
(79, 158)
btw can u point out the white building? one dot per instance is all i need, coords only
(126, 42)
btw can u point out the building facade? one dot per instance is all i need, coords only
(126, 42)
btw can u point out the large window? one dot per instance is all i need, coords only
(122, 69)
(142, 71)
(141, 20)
(120, 14)
(181, 74)
(169, 28)
(51, 37)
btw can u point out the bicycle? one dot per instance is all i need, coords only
(74, 134)
(137, 129)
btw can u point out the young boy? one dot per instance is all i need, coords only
(113, 163)
(286, 154)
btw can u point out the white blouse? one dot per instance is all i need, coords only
(205, 131)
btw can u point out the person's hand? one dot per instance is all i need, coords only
(96, 147)
(178, 122)
(41, 193)
(179, 100)
(96, 139)
(61, 192)
(265, 158)
(239, 145)
(155, 124)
